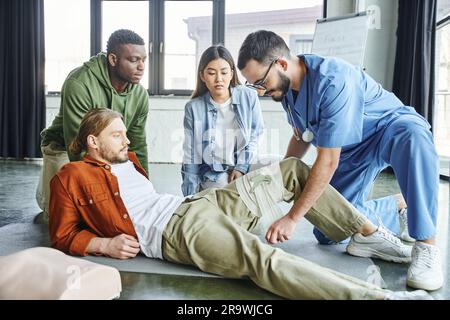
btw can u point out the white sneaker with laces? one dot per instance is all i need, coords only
(408, 295)
(425, 271)
(403, 220)
(381, 244)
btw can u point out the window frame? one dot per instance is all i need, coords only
(443, 22)
(156, 39)
(218, 36)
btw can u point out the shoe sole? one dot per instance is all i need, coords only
(369, 253)
(424, 286)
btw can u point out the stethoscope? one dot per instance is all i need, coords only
(308, 135)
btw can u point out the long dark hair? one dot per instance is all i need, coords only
(210, 54)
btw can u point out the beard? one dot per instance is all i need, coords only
(126, 78)
(113, 157)
(283, 86)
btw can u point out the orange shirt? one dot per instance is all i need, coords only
(85, 203)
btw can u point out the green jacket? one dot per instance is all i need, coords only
(89, 87)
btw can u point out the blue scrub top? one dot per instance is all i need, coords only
(347, 108)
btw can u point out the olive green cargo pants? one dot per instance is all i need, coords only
(212, 230)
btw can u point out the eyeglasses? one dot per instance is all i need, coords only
(259, 84)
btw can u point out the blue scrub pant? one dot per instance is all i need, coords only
(406, 144)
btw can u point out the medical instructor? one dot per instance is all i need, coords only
(359, 129)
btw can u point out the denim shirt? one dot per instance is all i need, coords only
(200, 119)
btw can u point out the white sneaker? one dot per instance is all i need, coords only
(408, 295)
(403, 219)
(425, 271)
(381, 244)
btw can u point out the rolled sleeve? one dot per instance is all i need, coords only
(242, 168)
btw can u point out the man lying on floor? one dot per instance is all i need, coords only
(105, 205)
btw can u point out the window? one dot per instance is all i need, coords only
(443, 9)
(176, 32)
(294, 20)
(442, 100)
(187, 33)
(67, 40)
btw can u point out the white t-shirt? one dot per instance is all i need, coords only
(149, 211)
(225, 135)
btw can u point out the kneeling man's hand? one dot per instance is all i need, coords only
(281, 230)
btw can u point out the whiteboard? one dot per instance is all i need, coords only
(343, 37)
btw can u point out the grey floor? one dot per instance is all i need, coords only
(18, 180)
